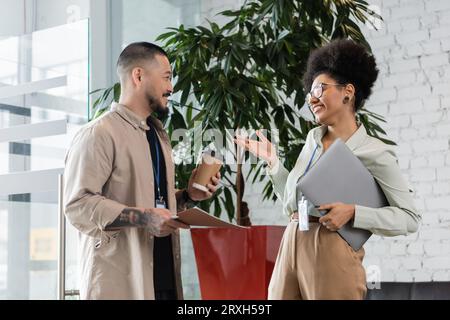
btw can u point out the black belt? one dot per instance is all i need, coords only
(294, 217)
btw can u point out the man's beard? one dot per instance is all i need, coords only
(156, 106)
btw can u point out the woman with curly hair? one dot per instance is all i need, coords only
(317, 263)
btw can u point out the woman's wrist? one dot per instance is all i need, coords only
(272, 162)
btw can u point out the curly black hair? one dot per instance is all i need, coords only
(346, 62)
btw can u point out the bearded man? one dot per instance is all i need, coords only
(119, 188)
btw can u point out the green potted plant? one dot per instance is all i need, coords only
(247, 75)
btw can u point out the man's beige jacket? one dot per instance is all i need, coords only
(109, 168)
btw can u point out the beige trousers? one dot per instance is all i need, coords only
(316, 265)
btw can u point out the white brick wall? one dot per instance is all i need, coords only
(413, 93)
(418, 60)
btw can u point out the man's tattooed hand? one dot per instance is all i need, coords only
(158, 221)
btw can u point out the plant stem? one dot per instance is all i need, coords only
(239, 194)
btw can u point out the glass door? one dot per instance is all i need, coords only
(44, 92)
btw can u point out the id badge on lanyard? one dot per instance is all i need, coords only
(302, 205)
(160, 203)
(303, 219)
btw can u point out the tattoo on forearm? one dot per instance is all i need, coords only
(129, 218)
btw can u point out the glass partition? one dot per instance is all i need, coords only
(44, 91)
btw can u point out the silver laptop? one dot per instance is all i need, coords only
(339, 176)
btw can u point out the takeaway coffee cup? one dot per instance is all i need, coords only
(207, 169)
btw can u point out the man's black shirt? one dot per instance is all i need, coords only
(163, 265)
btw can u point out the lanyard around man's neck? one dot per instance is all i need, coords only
(157, 165)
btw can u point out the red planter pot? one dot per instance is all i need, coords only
(236, 263)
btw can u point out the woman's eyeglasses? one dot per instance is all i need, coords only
(317, 91)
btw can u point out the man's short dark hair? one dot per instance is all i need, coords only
(137, 53)
(346, 62)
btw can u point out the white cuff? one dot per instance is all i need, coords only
(274, 170)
